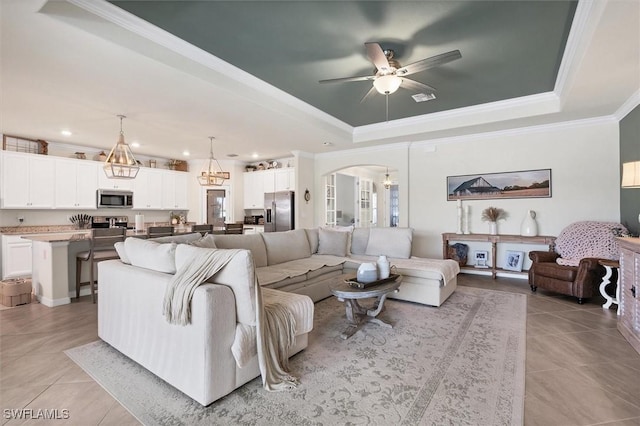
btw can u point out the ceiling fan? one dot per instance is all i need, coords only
(389, 75)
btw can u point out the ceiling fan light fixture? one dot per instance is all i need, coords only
(387, 84)
(212, 176)
(120, 163)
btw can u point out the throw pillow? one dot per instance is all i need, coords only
(151, 255)
(208, 241)
(333, 242)
(391, 242)
(122, 253)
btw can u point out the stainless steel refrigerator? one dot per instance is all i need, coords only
(278, 211)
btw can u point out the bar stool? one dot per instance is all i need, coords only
(101, 248)
(234, 228)
(159, 231)
(203, 229)
(609, 266)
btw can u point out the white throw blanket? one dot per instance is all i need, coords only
(275, 325)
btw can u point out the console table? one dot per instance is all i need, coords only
(629, 299)
(494, 240)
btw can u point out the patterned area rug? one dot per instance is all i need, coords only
(462, 364)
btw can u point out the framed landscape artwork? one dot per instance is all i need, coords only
(487, 186)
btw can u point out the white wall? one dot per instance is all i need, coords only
(305, 176)
(582, 156)
(394, 157)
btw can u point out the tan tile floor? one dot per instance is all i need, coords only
(579, 371)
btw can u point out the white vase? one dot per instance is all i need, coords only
(493, 228)
(529, 226)
(383, 267)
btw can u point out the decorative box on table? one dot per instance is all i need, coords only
(16, 291)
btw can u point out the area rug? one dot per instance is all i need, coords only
(459, 364)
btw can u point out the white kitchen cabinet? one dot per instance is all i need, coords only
(257, 183)
(254, 190)
(76, 182)
(122, 184)
(284, 179)
(27, 181)
(147, 189)
(174, 190)
(16, 256)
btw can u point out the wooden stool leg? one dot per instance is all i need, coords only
(93, 290)
(78, 276)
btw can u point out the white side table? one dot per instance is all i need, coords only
(609, 266)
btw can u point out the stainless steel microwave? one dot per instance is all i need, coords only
(114, 199)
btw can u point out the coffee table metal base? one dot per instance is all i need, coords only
(358, 315)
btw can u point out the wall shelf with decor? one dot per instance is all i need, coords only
(494, 240)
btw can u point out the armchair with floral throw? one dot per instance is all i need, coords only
(573, 269)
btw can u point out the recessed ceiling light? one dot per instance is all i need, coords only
(232, 155)
(135, 144)
(423, 97)
(255, 155)
(66, 133)
(186, 153)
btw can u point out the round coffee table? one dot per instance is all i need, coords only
(357, 315)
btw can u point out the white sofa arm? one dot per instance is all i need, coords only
(195, 358)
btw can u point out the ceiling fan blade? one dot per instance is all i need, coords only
(427, 63)
(377, 56)
(346, 79)
(409, 84)
(369, 94)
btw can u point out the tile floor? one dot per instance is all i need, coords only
(579, 371)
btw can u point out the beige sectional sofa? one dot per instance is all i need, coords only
(216, 352)
(309, 261)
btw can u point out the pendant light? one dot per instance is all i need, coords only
(120, 163)
(387, 180)
(211, 176)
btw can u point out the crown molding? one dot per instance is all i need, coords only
(378, 148)
(541, 128)
(525, 106)
(628, 106)
(584, 25)
(303, 154)
(224, 70)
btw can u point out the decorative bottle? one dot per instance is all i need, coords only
(529, 227)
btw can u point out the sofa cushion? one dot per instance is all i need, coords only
(273, 277)
(238, 274)
(179, 238)
(253, 242)
(285, 246)
(359, 240)
(122, 253)
(151, 255)
(208, 241)
(312, 236)
(392, 242)
(333, 242)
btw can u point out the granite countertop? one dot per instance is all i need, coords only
(62, 235)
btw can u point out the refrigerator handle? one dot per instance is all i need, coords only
(273, 215)
(267, 218)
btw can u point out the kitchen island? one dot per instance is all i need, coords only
(53, 262)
